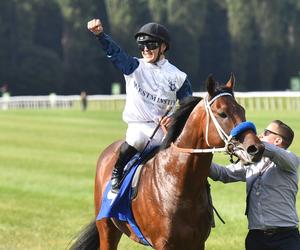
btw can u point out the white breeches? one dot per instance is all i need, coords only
(137, 135)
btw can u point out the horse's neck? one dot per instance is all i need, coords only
(193, 166)
(192, 135)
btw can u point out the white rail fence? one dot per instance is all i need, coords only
(254, 101)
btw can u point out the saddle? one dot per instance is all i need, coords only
(138, 161)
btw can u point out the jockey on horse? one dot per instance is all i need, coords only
(152, 84)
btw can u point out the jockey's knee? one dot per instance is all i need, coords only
(136, 139)
(126, 148)
(137, 144)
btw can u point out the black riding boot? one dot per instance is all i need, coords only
(126, 153)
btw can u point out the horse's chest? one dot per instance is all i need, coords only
(186, 230)
(184, 237)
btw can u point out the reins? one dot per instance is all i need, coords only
(209, 114)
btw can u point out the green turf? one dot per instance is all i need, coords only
(47, 168)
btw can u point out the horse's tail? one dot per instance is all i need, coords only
(88, 238)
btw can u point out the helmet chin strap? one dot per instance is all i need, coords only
(158, 55)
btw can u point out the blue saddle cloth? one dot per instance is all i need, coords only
(119, 205)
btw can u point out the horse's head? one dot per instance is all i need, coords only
(226, 125)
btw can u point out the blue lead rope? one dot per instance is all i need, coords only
(242, 127)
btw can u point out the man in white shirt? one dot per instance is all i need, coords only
(152, 84)
(272, 186)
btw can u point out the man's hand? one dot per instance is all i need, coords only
(95, 26)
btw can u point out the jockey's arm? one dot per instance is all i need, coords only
(124, 62)
(185, 90)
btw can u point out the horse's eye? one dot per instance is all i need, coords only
(223, 115)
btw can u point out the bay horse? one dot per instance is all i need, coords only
(172, 208)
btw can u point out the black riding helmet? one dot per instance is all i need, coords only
(153, 32)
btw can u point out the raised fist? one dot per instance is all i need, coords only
(95, 26)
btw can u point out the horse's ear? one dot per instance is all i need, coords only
(231, 81)
(210, 85)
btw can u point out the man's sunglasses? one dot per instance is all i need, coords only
(148, 45)
(267, 132)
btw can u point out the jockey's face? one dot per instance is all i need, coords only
(150, 55)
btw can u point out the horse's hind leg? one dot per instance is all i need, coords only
(109, 235)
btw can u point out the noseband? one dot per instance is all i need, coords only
(235, 132)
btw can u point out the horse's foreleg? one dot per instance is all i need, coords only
(109, 235)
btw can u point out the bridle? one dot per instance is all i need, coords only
(209, 114)
(221, 132)
(228, 139)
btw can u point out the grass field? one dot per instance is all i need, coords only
(47, 169)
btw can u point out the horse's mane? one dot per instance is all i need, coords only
(179, 119)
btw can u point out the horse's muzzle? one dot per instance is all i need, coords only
(256, 151)
(250, 154)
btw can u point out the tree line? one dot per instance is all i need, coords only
(46, 47)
